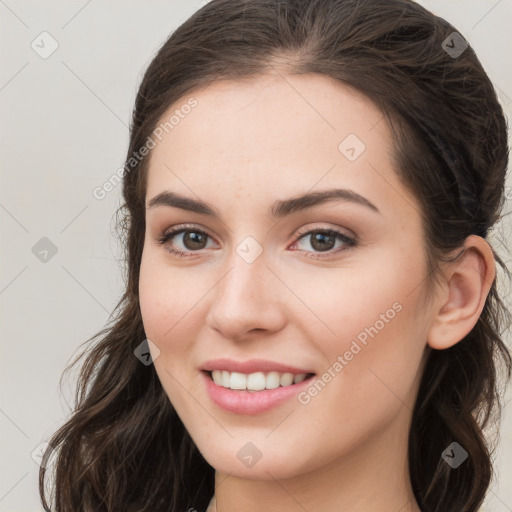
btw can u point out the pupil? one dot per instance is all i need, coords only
(321, 237)
(194, 238)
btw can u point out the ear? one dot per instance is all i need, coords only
(466, 285)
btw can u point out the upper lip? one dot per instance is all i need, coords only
(251, 366)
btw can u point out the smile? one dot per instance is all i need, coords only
(257, 381)
(243, 400)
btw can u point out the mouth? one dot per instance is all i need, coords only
(253, 386)
(257, 381)
(247, 393)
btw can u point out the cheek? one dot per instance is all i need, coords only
(366, 385)
(165, 298)
(355, 304)
(173, 311)
(153, 302)
(375, 339)
(168, 318)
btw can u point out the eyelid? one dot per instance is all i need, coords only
(182, 227)
(322, 227)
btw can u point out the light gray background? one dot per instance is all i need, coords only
(64, 131)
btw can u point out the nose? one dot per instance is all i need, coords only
(247, 298)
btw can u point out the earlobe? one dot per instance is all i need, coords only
(468, 281)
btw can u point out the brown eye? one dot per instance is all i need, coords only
(194, 240)
(323, 242)
(191, 240)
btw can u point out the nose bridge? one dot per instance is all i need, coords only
(247, 273)
(244, 298)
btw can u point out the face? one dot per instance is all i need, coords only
(331, 287)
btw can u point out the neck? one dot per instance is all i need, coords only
(373, 477)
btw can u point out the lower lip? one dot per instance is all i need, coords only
(246, 402)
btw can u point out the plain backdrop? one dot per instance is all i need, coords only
(64, 131)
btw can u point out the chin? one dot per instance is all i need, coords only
(254, 461)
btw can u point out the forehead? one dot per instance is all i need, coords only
(273, 109)
(272, 133)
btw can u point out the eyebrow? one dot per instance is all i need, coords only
(278, 209)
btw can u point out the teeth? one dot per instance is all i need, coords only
(238, 381)
(255, 381)
(217, 376)
(273, 380)
(286, 379)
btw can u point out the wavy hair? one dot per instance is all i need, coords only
(124, 448)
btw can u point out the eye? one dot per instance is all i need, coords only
(193, 240)
(323, 242)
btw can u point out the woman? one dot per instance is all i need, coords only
(311, 319)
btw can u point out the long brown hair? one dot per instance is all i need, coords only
(124, 447)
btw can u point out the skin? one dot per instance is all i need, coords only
(244, 146)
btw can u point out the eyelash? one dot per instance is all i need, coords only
(348, 241)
